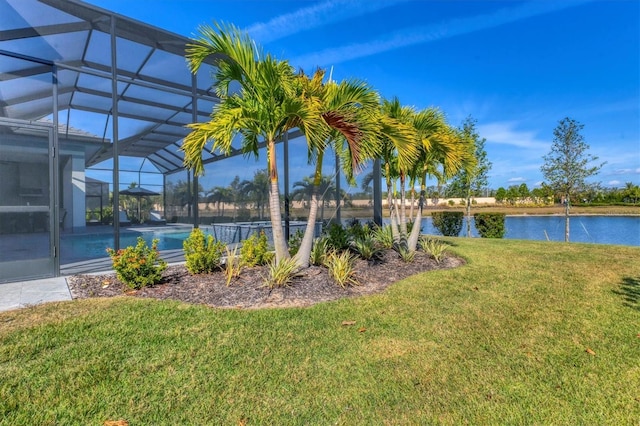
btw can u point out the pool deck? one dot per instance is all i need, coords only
(22, 294)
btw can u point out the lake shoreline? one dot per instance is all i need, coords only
(545, 211)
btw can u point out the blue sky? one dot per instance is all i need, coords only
(516, 67)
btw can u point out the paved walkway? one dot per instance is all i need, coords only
(27, 293)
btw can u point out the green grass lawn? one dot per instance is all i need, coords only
(526, 333)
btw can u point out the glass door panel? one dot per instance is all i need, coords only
(26, 201)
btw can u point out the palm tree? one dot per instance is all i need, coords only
(265, 106)
(397, 160)
(443, 151)
(436, 150)
(219, 195)
(257, 190)
(347, 109)
(306, 187)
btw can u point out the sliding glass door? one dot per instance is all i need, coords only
(27, 219)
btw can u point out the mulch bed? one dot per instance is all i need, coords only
(310, 286)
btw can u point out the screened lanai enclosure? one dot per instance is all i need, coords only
(93, 104)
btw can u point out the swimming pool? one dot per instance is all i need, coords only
(88, 246)
(79, 247)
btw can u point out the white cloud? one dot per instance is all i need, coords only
(627, 171)
(314, 16)
(430, 33)
(614, 183)
(516, 180)
(505, 133)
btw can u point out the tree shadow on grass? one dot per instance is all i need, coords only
(630, 292)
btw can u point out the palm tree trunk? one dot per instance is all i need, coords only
(403, 206)
(304, 252)
(279, 242)
(392, 212)
(412, 184)
(468, 209)
(412, 243)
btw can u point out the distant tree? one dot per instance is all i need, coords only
(523, 191)
(542, 194)
(257, 190)
(513, 194)
(473, 176)
(501, 195)
(566, 166)
(631, 193)
(326, 191)
(237, 196)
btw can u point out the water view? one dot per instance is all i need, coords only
(623, 230)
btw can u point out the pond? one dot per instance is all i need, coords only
(622, 230)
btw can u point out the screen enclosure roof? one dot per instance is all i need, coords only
(156, 94)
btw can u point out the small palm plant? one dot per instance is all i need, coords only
(367, 248)
(405, 253)
(341, 268)
(232, 266)
(383, 236)
(433, 247)
(319, 251)
(281, 273)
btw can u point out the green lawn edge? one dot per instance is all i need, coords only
(525, 333)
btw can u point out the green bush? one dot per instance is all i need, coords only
(138, 266)
(448, 223)
(255, 250)
(202, 253)
(357, 230)
(490, 225)
(338, 237)
(294, 242)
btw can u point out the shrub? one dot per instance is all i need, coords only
(319, 251)
(338, 237)
(255, 250)
(357, 230)
(433, 247)
(490, 225)
(448, 223)
(341, 268)
(294, 242)
(280, 274)
(138, 266)
(367, 248)
(202, 253)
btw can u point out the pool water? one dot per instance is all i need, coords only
(76, 248)
(82, 247)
